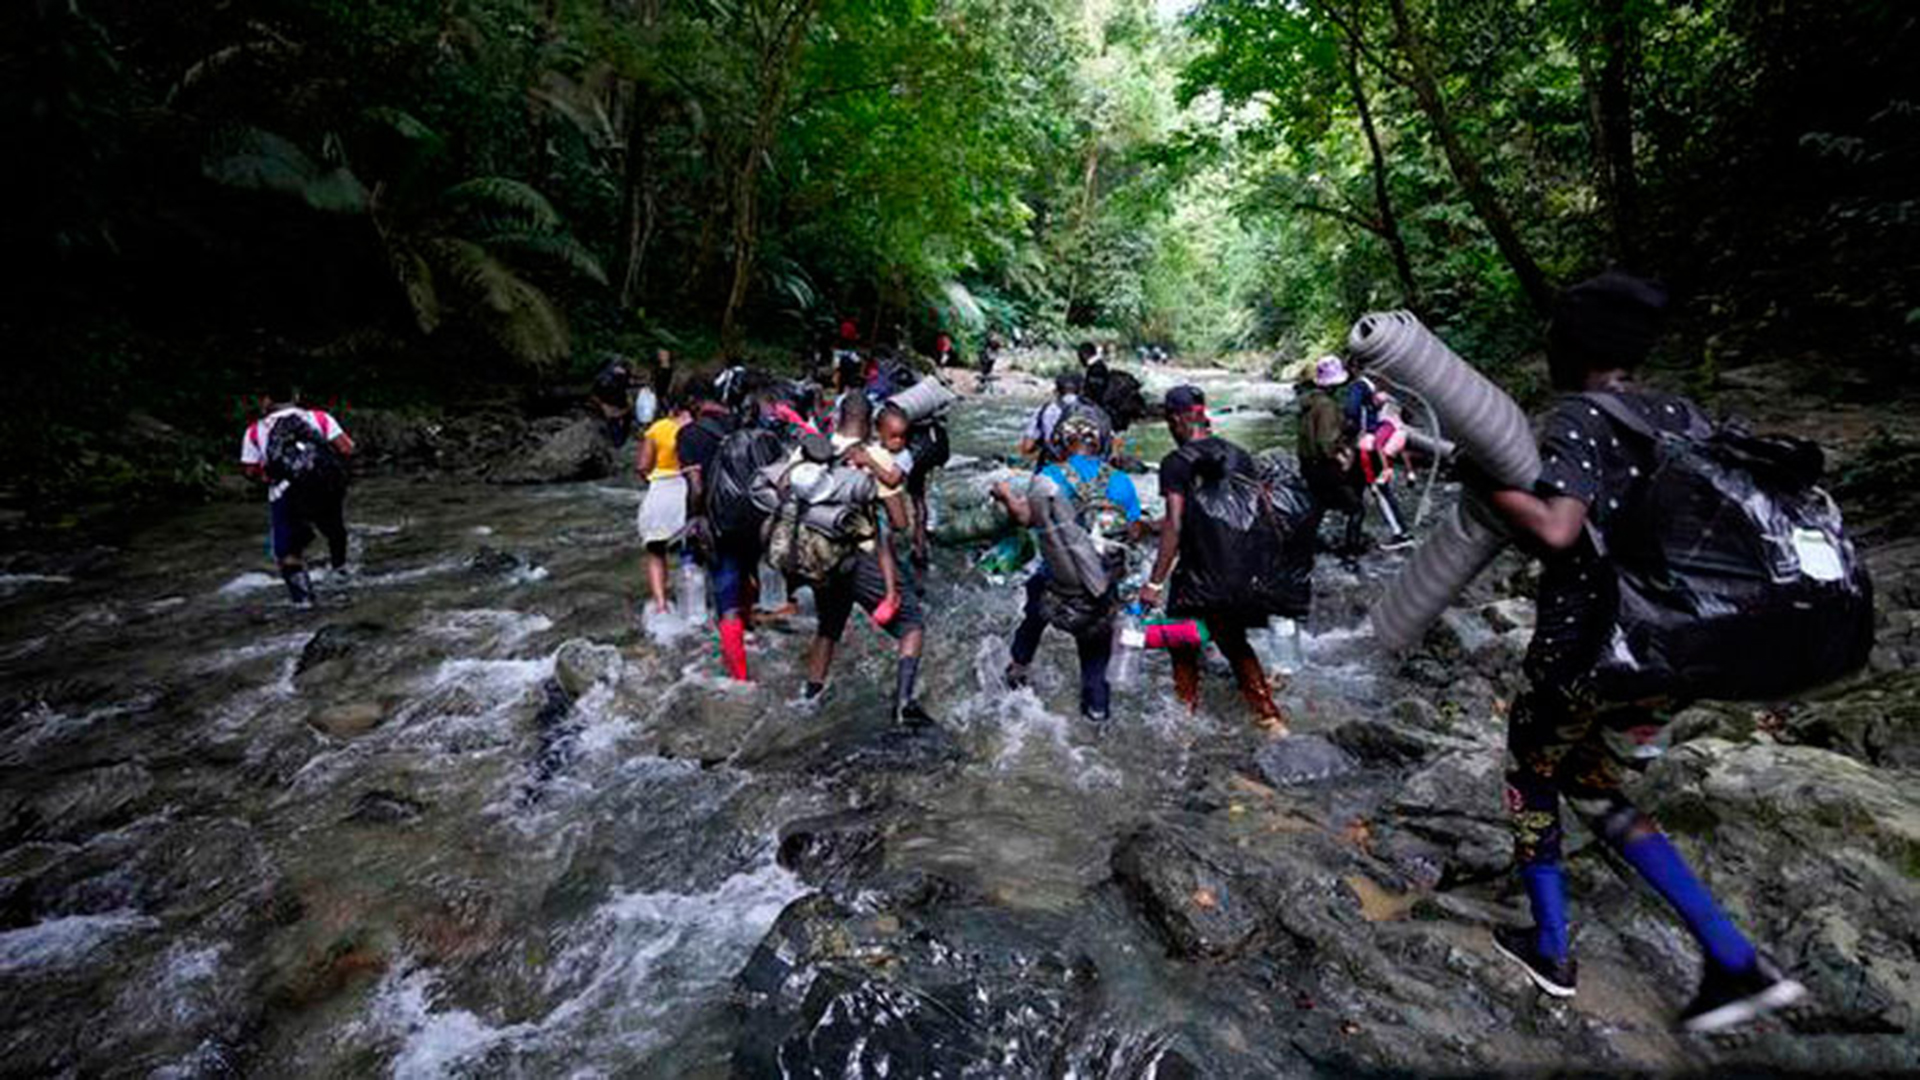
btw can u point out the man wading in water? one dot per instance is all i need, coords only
(1201, 457)
(300, 454)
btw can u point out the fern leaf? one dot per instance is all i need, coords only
(485, 194)
(555, 249)
(415, 276)
(250, 159)
(520, 320)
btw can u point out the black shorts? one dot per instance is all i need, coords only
(859, 581)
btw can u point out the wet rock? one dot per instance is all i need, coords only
(1717, 720)
(1459, 634)
(95, 799)
(1514, 613)
(390, 440)
(834, 992)
(1302, 759)
(580, 451)
(833, 850)
(1817, 855)
(336, 641)
(1878, 722)
(1456, 803)
(580, 664)
(385, 808)
(491, 561)
(1208, 897)
(1376, 742)
(348, 720)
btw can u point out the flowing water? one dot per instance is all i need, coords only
(397, 849)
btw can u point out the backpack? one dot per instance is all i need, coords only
(1122, 397)
(1736, 579)
(297, 453)
(729, 480)
(1079, 409)
(1085, 567)
(816, 520)
(1247, 538)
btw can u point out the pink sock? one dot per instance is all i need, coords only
(733, 646)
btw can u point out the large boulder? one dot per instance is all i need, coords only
(1878, 723)
(832, 991)
(1817, 855)
(579, 451)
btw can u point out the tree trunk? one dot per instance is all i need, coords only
(1474, 184)
(637, 201)
(1615, 116)
(1382, 198)
(776, 69)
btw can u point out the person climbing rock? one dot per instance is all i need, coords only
(662, 519)
(1082, 511)
(1563, 739)
(1373, 418)
(300, 455)
(1190, 537)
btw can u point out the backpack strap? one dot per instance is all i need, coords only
(1617, 410)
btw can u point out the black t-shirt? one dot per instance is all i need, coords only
(1177, 468)
(1586, 456)
(700, 440)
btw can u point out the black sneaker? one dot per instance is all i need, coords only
(912, 714)
(1518, 946)
(1015, 677)
(1727, 999)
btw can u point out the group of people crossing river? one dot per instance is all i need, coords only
(776, 485)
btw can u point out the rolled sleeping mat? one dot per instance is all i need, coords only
(923, 400)
(1487, 426)
(1492, 432)
(1437, 448)
(1453, 554)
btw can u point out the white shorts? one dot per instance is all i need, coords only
(663, 513)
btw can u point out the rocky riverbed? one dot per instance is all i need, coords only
(471, 818)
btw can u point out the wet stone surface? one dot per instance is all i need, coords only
(472, 816)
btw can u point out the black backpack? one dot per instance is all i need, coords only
(1736, 578)
(1247, 538)
(1122, 397)
(297, 453)
(729, 480)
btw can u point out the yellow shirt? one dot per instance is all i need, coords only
(664, 434)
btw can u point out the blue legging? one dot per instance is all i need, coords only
(1095, 645)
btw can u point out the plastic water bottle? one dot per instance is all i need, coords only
(693, 589)
(1289, 655)
(1129, 639)
(773, 587)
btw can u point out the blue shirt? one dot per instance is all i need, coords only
(1120, 490)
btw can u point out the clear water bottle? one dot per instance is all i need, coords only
(1129, 640)
(1289, 654)
(693, 589)
(773, 587)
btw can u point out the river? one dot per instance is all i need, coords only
(469, 818)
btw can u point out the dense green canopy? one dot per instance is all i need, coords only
(405, 196)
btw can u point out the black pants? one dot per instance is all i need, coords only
(1094, 643)
(297, 515)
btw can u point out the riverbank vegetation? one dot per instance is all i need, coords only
(417, 202)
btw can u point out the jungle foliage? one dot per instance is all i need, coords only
(410, 199)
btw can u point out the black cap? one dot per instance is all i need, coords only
(1185, 399)
(1066, 383)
